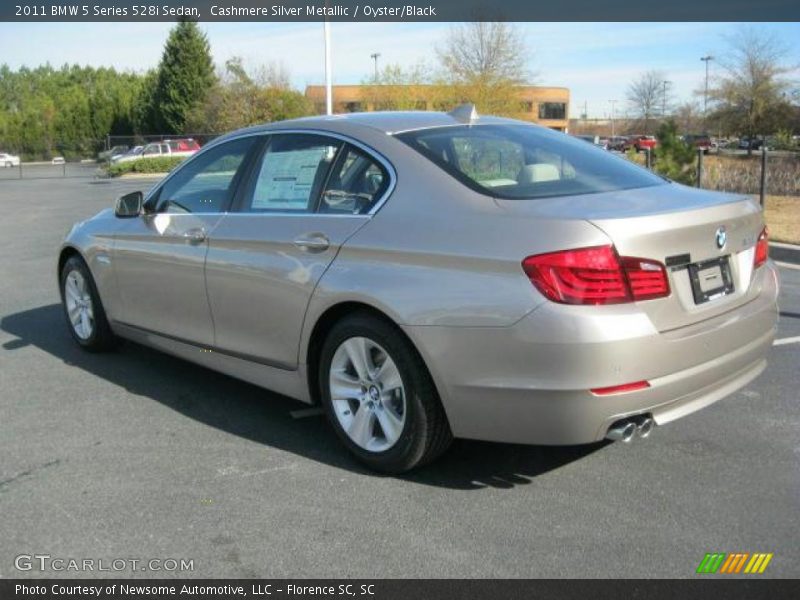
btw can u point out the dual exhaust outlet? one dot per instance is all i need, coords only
(626, 429)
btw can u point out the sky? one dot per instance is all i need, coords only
(596, 61)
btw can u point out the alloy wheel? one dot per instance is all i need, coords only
(78, 300)
(367, 394)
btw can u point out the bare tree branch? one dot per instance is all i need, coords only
(485, 52)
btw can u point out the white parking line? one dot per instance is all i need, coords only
(307, 412)
(789, 340)
(786, 265)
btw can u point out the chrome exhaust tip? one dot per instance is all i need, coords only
(644, 426)
(622, 431)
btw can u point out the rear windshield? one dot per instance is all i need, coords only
(525, 162)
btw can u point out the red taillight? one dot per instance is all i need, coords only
(596, 276)
(762, 249)
(620, 389)
(647, 278)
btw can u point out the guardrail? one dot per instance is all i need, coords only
(48, 170)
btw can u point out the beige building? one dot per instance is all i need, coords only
(548, 106)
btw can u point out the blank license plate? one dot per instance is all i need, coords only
(711, 279)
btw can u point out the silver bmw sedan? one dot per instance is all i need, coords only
(425, 276)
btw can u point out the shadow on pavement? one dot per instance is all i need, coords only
(264, 417)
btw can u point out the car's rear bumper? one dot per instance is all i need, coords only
(529, 383)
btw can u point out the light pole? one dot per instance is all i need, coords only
(706, 59)
(613, 102)
(328, 69)
(374, 56)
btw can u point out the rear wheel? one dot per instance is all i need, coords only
(82, 307)
(379, 396)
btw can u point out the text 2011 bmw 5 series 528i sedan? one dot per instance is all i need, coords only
(431, 275)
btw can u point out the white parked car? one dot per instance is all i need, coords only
(182, 147)
(8, 160)
(132, 154)
(58, 160)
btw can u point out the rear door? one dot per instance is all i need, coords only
(307, 194)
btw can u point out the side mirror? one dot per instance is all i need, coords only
(129, 205)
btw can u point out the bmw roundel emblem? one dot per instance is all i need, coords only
(722, 237)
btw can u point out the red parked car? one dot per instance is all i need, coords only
(642, 142)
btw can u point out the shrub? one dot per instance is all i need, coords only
(783, 141)
(159, 164)
(674, 158)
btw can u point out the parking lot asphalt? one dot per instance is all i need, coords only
(136, 454)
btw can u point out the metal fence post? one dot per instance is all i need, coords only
(648, 159)
(763, 190)
(699, 167)
(64, 170)
(20, 169)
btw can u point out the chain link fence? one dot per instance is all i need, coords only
(84, 158)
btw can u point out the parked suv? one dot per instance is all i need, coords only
(618, 143)
(701, 141)
(181, 147)
(750, 143)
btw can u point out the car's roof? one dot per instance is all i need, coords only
(388, 122)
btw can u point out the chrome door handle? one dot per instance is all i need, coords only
(313, 243)
(195, 236)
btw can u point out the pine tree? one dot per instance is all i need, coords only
(673, 157)
(185, 75)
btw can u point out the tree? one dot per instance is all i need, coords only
(185, 75)
(689, 118)
(482, 63)
(67, 111)
(751, 95)
(488, 53)
(646, 96)
(396, 88)
(238, 100)
(673, 157)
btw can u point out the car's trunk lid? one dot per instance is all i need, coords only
(679, 227)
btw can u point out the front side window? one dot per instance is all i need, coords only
(525, 162)
(206, 183)
(292, 173)
(355, 185)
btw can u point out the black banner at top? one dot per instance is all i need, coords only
(400, 10)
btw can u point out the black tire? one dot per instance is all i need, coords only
(102, 338)
(426, 432)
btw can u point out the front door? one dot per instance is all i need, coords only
(159, 257)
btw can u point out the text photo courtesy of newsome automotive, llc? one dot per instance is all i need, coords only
(444, 300)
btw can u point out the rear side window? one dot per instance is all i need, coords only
(526, 162)
(292, 172)
(356, 183)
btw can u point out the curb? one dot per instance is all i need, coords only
(140, 176)
(789, 253)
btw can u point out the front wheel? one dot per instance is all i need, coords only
(82, 307)
(379, 396)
